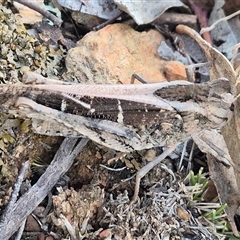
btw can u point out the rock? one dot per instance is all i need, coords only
(114, 53)
(32, 225)
(175, 71)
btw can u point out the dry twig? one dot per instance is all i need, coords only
(32, 198)
(47, 14)
(14, 195)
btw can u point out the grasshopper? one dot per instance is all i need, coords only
(129, 117)
(125, 117)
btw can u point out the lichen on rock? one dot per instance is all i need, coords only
(19, 49)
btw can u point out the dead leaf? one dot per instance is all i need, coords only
(227, 188)
(105, 9)
(145, 11)
(223, 33)
(219, 65)
(225, 179)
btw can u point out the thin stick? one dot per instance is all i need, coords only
(47, 14)
(102, 25)
(207, 29)
(21, 229)
(14, 195)
(143, 171)
(183, 152)
(113, 169)
(189, 167)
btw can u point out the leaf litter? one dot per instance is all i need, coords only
(168, 201)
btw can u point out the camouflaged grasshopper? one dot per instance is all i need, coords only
(129, 117)
(126, 117)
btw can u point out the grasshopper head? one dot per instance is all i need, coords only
(221, 102)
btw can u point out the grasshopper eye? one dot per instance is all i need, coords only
(228, 98)
(23, 107)
(24, 103)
